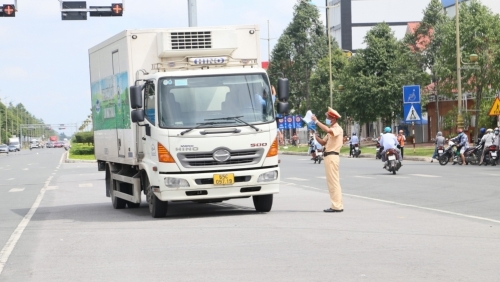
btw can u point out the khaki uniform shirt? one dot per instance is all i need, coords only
(334, 142)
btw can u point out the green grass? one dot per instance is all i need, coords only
(75, 146)
(82, 157)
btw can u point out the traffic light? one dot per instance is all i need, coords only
(116, 10)
(79, 13)
(8, 10)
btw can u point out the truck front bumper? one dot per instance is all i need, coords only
(202, 187)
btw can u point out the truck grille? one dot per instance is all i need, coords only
(191, 40)
(205, 159)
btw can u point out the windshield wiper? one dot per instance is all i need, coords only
(237, 118)
(202, 124)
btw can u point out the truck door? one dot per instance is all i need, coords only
(119, 116)
(149, 146)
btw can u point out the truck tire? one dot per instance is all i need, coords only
(157, 208)
(133, 205)
(263, 203)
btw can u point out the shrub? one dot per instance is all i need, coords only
(85, 137)
(82, 150)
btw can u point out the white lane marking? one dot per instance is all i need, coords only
(85, 185)
(52, 188)
(25, 169)
(16, 235)
(296, 178)
(425, 175)
(16, 190)
(10, 179)
(423, 208)
(322, 177)
(359, 176)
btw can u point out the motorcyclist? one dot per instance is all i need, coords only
(462, 141)
(389, 141)
(314, 146)
(482, 131)
(439, 143)
(496, 142)
(487, 140)
(354, 140)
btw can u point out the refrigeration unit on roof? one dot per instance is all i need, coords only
(185, 43)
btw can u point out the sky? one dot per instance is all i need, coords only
(44, 60)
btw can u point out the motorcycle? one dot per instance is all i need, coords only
(491, 156)
(379, 149)
(319, 156)
(449, 154)
(315, 152)
(392, 164)
(473, 155)
(355, 151)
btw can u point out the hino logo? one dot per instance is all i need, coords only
(221, 155)
(187, 148)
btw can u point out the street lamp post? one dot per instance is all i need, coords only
(460, 118)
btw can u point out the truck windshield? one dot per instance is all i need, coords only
(185, 102)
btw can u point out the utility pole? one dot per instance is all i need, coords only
(460, 119)
(268, 44)
(192, 13)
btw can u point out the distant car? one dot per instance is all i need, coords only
(49, 145)
(13, 148)
(58, 144)
(4, 149)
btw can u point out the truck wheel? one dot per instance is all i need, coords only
(133, 205)
(157, 208)
(263, 203)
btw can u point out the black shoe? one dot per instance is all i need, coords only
(332, 210)
(454, 163)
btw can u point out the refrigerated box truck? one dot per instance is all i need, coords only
(185, 114)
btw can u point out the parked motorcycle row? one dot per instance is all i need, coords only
(472, 155)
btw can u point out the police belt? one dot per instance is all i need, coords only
(330, 153)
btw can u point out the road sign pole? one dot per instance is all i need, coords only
(413, 134)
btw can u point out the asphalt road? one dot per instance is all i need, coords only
(427, 223)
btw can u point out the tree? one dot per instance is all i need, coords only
(479, 33)
(320, 81)
(299, 48)
(374, 77)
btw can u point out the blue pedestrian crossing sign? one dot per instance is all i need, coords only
(411, 94)
(412, 112)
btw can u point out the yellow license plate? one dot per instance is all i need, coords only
(224, 179)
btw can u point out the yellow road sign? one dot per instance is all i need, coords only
(495, 108)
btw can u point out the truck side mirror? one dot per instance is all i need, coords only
(283, 89)
(282, 107)
(137, 115)
(136, 96)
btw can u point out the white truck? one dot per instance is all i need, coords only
(185, 114)
(14, 141)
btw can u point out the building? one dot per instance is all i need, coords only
(350, 20)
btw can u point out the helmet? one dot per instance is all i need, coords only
(354, 133)
(489, 130)
(387, 129)
(439, 133)
(482, 130)
(381, 134)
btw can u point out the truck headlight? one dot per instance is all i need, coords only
(268, 176)
(172, 182)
